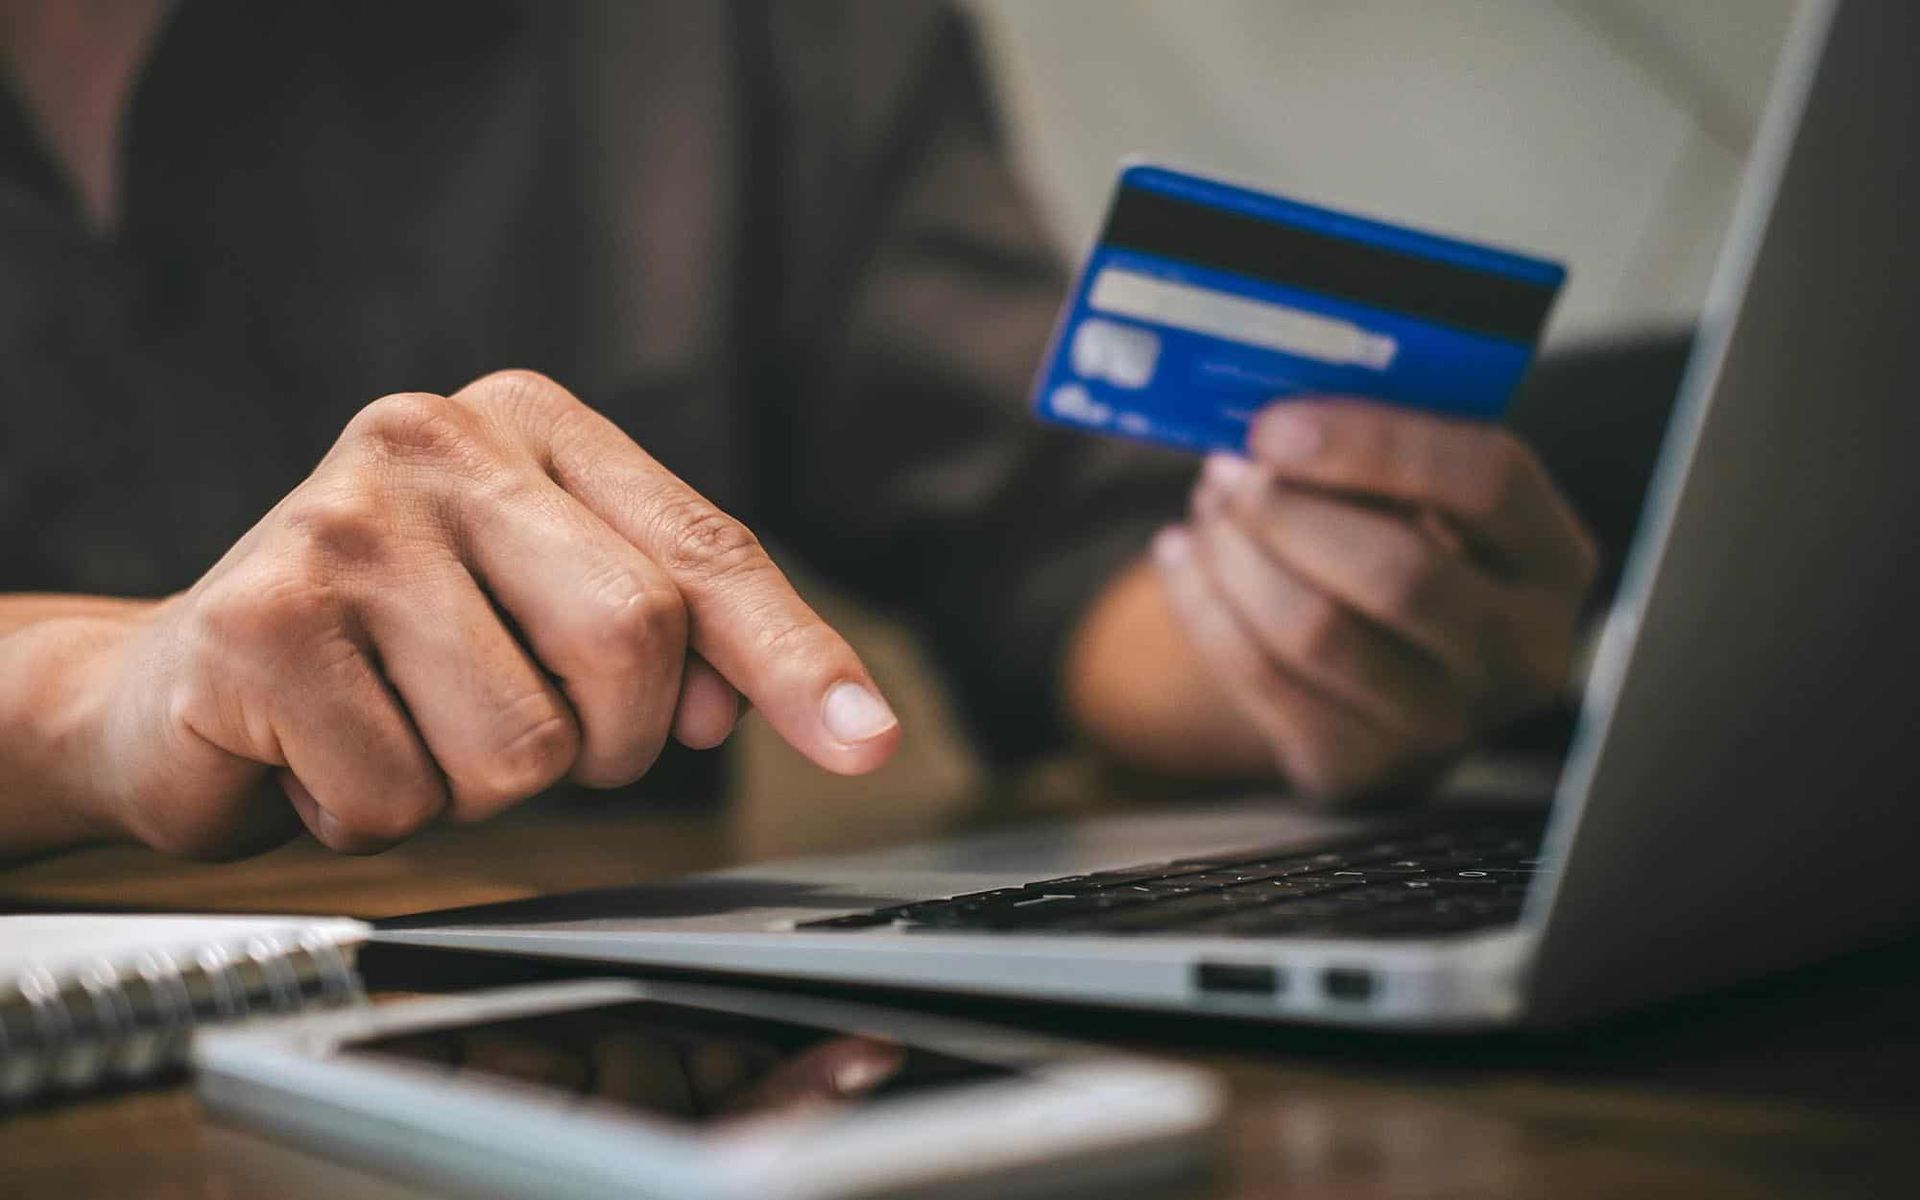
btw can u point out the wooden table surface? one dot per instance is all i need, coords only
(1799, 1086)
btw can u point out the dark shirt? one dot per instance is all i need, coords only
(778, 244)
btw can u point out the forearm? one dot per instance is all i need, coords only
(54, 651)
(1136, 688)
(29, 608)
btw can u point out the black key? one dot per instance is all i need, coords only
(1149, 918)
(968, 902)
(1452, 883)
(1047, 911)
(989, 894)
(1286, 889)
(1177, 912)
(1143, 871)
(865, 920)
(965, 900)
(1152, 889)
(1223, 877)
(1404, 867)
(1301, 865)
(1326, 881)
(1482, 876)
(953, 916)
(1069, 884)
(1359, 875)
(1182, 885)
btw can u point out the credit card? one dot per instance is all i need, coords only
(1203, 302)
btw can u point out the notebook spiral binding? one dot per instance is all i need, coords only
(98, 1026)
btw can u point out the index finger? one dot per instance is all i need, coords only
(1480, 475)
(743, 615)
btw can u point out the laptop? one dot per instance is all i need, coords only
(1743, 791)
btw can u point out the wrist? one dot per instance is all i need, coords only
(58, 680)
(1136, 688)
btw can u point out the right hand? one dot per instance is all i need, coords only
(470, 598)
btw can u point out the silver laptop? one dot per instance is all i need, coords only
(1743, 793)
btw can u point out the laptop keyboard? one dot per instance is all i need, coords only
(1421, 883)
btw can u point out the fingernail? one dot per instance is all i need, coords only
(1172, 546)
(853, 712)
(1228, 470)
(1287, 436)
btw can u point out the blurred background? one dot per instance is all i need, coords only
(1609, 134)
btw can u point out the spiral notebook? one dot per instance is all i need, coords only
(89, 1001)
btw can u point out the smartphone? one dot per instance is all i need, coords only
(621, 1088)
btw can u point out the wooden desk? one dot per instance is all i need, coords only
(1803, 1086)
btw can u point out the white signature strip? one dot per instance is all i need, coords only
(1235, 318)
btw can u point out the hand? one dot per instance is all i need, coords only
(469, 599)
(1373, 587)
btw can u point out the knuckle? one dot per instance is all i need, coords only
(413, 426)
(516, 385)
(346, 524)
(539, 742)
(521, 397)
(516, 379)
(631, 625)
(269, 610)
(487, 502)
(605, 776)
(396, 816)
(703, 540)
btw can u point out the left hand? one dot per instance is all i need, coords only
(1373, 586)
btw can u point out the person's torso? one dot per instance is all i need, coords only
(327, 203)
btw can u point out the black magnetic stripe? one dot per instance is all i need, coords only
(1155, 223)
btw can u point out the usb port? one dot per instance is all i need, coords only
(1252, 979)
(1347, 983)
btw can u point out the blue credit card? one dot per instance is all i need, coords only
(1204, 302)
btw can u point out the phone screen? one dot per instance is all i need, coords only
(695, 1065)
